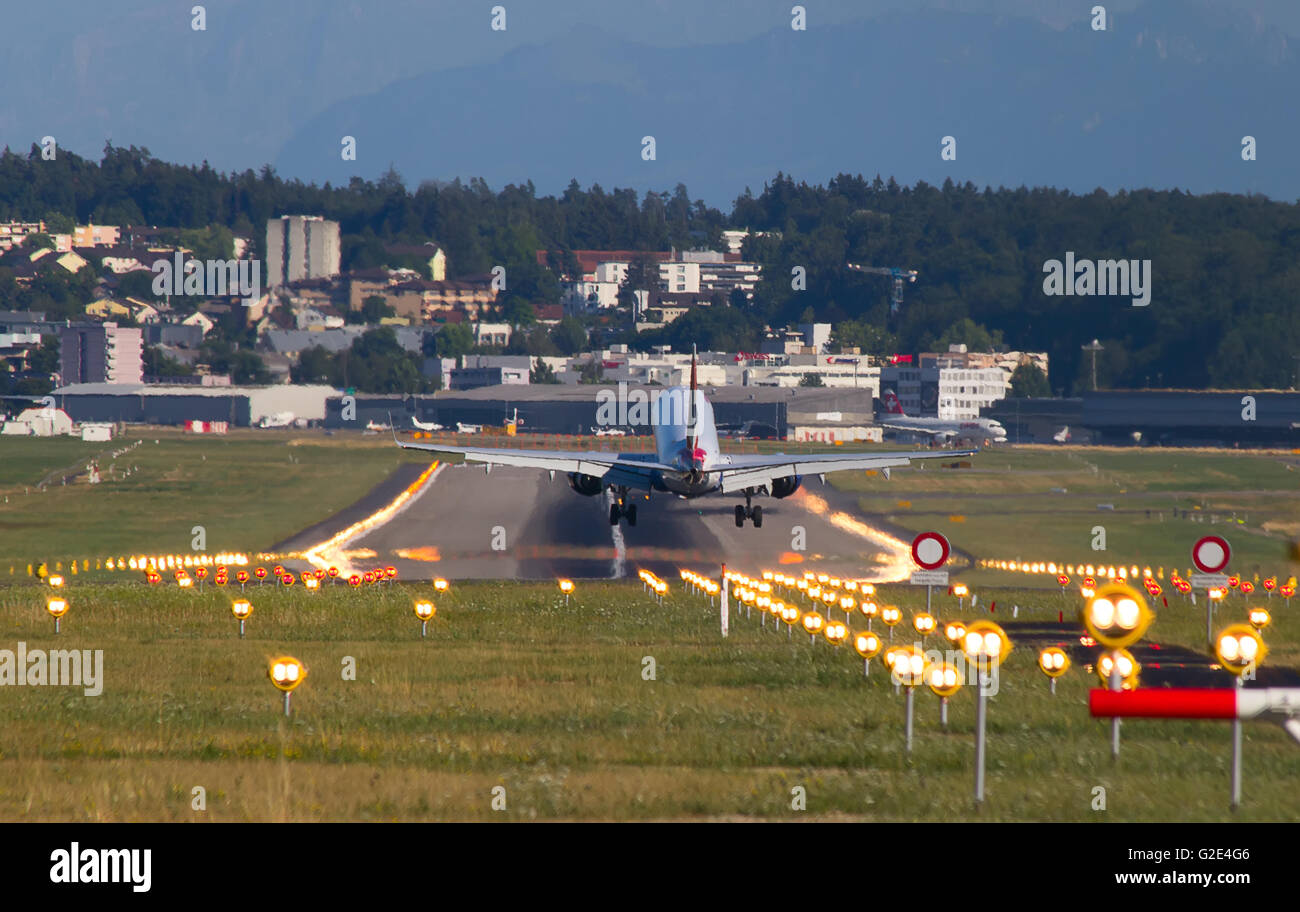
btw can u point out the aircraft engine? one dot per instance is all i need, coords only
(587, 485)
(784, 487)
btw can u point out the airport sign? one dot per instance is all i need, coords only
(1211, 554)
(930, 551)
(929, 578)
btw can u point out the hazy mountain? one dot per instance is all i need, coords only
(728, 90)
(1161, 99)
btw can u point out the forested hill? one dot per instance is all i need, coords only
(1224, 308)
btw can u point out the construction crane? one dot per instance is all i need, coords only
(898, 275)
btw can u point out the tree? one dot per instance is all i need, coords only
(454, 340)
(40, 239)
(315, 365)
(1028, 382)
(373, 309)
(570, 336)
(158, 363)
(542, 373)
(972, 334)
(811, 379)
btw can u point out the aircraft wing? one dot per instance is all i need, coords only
(632, 469)
(756, 471)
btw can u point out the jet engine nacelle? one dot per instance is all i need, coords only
(784, 487)
(587, 485)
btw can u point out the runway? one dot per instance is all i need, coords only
(517, 523)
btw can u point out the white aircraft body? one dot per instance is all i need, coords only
(278, 420)
(941, 429)
(1063, 435)
(425, 425)
(687, 461)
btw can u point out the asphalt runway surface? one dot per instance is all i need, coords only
(518, 523)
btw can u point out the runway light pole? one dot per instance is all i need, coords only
(944, 680)
(867, 645)
(286, 673)
(1117, 616)
(812, 624)
(1240, 649)
(57, 606)
(986, 645)
(890, 615)
(241, 609)
(908, 670)
(425, 610)
(1053, 662)
(566, 586)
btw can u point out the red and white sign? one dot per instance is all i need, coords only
(1211, 554)
(930, 550)
(1196, 702)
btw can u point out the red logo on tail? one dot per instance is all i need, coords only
(892, 405)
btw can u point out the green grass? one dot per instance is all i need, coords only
(248, 490)
(516, 688)
(1005, 507)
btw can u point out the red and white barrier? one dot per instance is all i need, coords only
(1283, 703)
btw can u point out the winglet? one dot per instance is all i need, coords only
(392, 427)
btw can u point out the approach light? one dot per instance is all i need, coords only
(1117, 615)
(890, 615)
(954, 631)
(286, 673)
(836, 632)
(1260, 618)
(908, 666)
(440, 585)
(944, 679)
(867, 644)
(813, 623)
(1053, 662)
(1239, 647)
(985, 643)
(1122, 662)
(57, 606)
(924, 624)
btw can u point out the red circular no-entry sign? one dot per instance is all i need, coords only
(1211, 554)
(930, 550)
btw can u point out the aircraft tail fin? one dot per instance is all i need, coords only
(892, 406)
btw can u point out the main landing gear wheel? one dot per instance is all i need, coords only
(620, 507)
(749, 512)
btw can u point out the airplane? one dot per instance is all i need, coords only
(1063, 435)
(278, 420)
(425, 426)
(941, 429)
(687, 461)
(608, 432)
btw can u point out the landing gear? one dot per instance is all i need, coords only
(749, 512)
(620, 508)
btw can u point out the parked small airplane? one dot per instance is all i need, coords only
(1063, 435)
(425, 425)
(687, 461)
(942, 430)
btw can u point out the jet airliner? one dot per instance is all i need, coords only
(687, 461)
(941, 429)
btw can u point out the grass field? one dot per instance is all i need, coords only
(1043, 504)
(248, 490)
(513, 688)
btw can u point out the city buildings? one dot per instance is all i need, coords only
(301, 247)
(100, 353)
